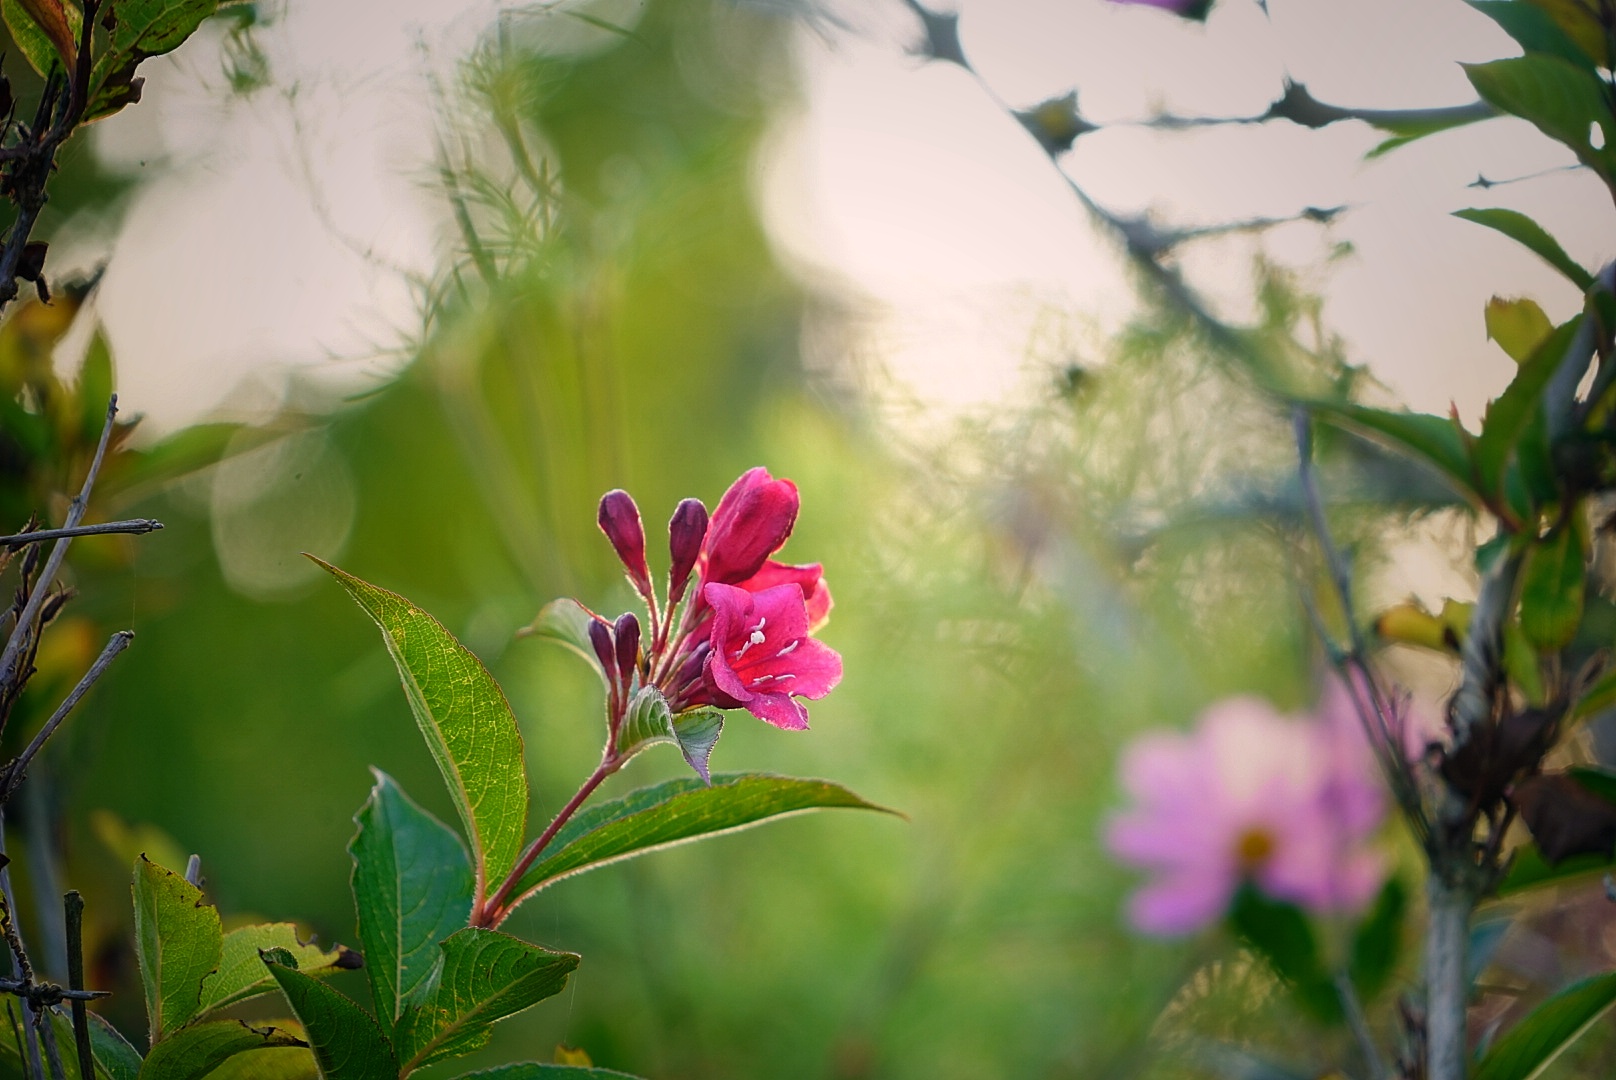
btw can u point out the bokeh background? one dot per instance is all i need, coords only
(409, 285)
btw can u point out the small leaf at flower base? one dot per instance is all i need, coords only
(1523, 230)
(412, 884)
(1284, 937)
(697, 731)
(1527, 1049)
(532, 1070)
(178, 941)
(1378, 942)
(677, 811)
(1566, 817)
(481, 976)
(566, 623)
(195, 1051)
(1518, 326)
(1437, 441)
(241, 975)
(1561, 99)
(1551, 589)
(466, 721)
(346, 1041)
(647, 721)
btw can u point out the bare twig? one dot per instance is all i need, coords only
(19, 955)
(1359, 1023)
(14, 772)
(135, 526)
(73, 921)
(25, 619)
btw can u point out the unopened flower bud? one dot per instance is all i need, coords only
(627, 633)
(600, 636)
(752, 520)
(686, 530)
(691, 668)
(619, 519)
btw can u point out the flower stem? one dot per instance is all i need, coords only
(1447, 987)
(494, 910)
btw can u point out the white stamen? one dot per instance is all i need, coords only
(789, 649)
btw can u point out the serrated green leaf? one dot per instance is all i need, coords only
(675, 812)
(565, 622)
(194, 1052)
(1518, 326)
(1526, 1049)
(1436, 441)
(412, 884)
(1528, 233)
(346, 1041)
(1560, 98)
(647, 721)
(1281, 933)
(1378, 941)
(112, 1052)
(466, 721)
(1510, 415)
(278, 1063)
(481, 976)
(241, 974)
(697, 731)
(178, 940)
(1551, 589)
(532, 1070)
(1533, 29)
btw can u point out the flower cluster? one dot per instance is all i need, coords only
(741, 638)
(1287, 804)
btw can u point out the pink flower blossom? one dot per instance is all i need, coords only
(761, 656)
(1249, 795)
(752, 521)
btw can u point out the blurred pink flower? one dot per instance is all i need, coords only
(1249, 795)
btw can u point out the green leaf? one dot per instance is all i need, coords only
(95, 386)
(1438, 441)
(1530, 870)
(1579, 20)
(1282, 934)
(649, 722)
(279, 1063)
(481, 976)
(199, 1049)
(412, 885)
(35, 43)
(1598, 697)
(1519, 326)
(1406, 131)
(1551, 589)
(1598, 781)
(674, 812)
(241, 973)
(532, 1070)
(112, 1052)
(1523, 230)
(1379, 941)
(1533, 29)
(1528, 1048)
(178, 940)
(1511, 414)
(466, 721)
(346, 1041)
(143, 28)
(1561, 99)
(565, 622)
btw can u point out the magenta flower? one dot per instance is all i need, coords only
(761, 657)
(752, 521)
(1249, 795)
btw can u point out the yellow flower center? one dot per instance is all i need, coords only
(1254, 848)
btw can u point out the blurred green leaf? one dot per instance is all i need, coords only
(466, 721)
(412, 884)
(566, 623)
(1579, 20)
(481, 976)
(1518, 325)
(1530, 870)
(111, 1050)
(1599, 781)
(1561, 99)
(346, 1041)
(1533, 29)
(196, 1051)
(1526, 1049)
(1378, 942)
(676, 811)
(1598, 697)
(1551, 589)
(1438, 441)
(178, 940)
(241, 975)
(1281, 933)
(532, 1070)
(1404, 132)
(1511, 413)
(95, 387)
(1523, 230)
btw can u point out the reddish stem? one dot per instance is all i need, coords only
(497, 907)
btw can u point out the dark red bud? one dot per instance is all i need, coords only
(627, 632)
(686, 530)
(752, 520)
(619, 519)
(692, 667)
(600, 636)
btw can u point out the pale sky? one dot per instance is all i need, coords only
(902, 187)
